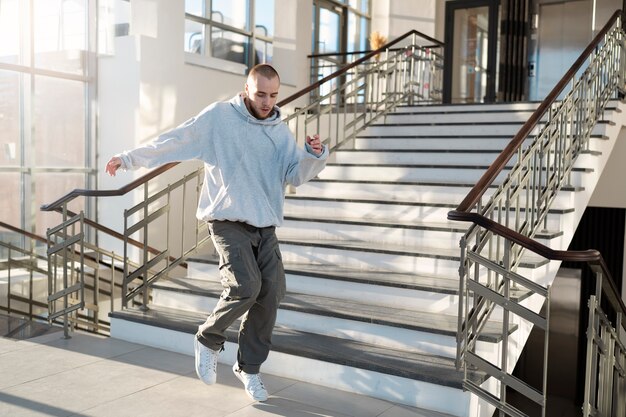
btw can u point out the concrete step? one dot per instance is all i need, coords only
(418, 379)
(404, 115)
(384, 325)
(476, 108)
(437, 234)
(375, 210)
(414, 191)
(417, 157)
(366, 256)
(414, 140)
(460, 129)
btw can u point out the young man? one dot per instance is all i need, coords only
(250, 156)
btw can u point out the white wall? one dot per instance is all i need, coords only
(393, 18)
(147, 87)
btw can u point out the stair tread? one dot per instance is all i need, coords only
(376, 200)
(419, 282)
(412, 365)
(449, 226)
(341, 308)
(417, 183)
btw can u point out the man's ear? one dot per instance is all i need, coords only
(246, 90)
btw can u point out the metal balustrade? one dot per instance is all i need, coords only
(158, 235)
(500, 241)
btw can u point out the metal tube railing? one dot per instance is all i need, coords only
(504, 226)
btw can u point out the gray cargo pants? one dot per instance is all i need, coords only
(253, 278)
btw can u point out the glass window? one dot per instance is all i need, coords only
(113, 21)
(194, 37)
(329, 32)
(50, 186)
(229, 32)
(10, 153)
(45, 125)
(264, 17)
(263, 52)
(59, 131)
(60, 35)
(10, 31)
(360, 5)
(10, 190)
(195, 7)
(231, 12)
(229, 45)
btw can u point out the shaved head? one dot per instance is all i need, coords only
(264, 70)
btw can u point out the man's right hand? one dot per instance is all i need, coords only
(113, 165)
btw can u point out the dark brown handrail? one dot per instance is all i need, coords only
(462, 212)
(23, 232)
(498, 165)
(107, 193)
(78, 192)
(591, 256)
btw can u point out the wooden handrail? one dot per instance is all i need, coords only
(23, 232)
(107, 193)
(591, 256)
(500, 162)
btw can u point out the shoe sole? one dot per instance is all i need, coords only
(238, 375)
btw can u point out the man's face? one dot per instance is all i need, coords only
(262, 94)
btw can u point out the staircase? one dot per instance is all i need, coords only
(372, 262)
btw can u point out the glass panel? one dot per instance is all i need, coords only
(60, 34)
(9, 31)
(357, 33)
(360, 5)
(469, 78)
(263, 52)
(59, 130)
(49, 187)
(329, 29)
(11, 201)
(194, 37)
(10, 153)
(229, 45)
(113, 21)
(231, 12)
(195, 7)
(264, 17)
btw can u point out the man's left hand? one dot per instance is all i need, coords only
(315, 144)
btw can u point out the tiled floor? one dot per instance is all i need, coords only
(95, 376)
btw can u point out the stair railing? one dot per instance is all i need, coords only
(369, 88)
(126, 277)
(500, 242)
(23, 274)
(346, 101)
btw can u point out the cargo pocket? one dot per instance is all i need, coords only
(235, 277)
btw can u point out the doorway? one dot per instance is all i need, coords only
(471, 37)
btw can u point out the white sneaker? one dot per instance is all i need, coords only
(206, 363)
(253, 384)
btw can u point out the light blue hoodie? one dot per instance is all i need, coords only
(248, 162)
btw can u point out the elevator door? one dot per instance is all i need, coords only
(564, 31)
(471, 40)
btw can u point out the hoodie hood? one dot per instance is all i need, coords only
(238, 103)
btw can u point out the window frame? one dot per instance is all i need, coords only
(206, 58)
